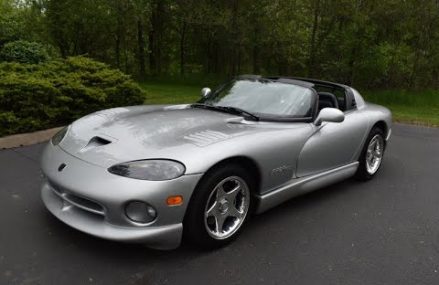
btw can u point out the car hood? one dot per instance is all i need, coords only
(144, 132)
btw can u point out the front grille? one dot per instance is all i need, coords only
(77, 201)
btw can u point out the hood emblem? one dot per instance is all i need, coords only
(61, 167)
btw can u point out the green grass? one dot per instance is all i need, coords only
(170, 93)
(407, 107)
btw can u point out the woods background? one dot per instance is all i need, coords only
(372, 44)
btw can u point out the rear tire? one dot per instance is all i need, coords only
(372, 155)
(219, 207)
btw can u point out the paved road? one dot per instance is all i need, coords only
(385, 231)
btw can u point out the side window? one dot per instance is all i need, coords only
(341, 98)
(353, 103)
(339, 93)
(357, 100)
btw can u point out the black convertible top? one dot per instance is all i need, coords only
(314, 82)
(303, 81)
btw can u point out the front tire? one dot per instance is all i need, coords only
(372, 155)
(219, 207)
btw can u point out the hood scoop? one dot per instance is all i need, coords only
(95, 142)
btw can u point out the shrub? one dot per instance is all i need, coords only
(24, 52)
(54, 93)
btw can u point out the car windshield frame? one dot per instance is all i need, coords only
(270, 117)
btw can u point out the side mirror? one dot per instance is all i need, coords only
(205, 92)
(329, 115)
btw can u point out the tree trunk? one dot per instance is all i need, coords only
(119, 32)
(352, 62)
(236, 38)
(182, 48)
(255, 53)
(312, 50)
(155, 36)
(151, 42)
(117, 51)
(208, 66)
(414, 71)
(141, 49)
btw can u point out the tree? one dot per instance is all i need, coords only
(386, 43)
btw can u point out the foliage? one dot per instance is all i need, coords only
(420, 107)
(24, 52)
(10, 22)
(372, 44)
(387, 45)
(54, 93)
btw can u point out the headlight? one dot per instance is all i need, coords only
(58, 137)
(155, 170)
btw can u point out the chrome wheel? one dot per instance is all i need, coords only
(227, 207)
(374, 154)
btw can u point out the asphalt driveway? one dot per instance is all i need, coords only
(385, 231)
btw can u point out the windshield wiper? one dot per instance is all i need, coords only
(228, 109)
(239, 111)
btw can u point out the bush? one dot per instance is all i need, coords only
(24, 52)
(55, 93)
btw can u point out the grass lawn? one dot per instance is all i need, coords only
(161, 93)
(407, 107)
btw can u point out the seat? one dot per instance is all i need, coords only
(327, 100)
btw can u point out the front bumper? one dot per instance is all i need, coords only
(164, 237)
(89, 198)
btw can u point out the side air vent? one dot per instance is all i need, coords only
(95, 142)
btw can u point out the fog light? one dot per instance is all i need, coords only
(140, 212)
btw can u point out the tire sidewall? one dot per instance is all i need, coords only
(362, 173)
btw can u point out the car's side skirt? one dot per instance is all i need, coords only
(303, 185)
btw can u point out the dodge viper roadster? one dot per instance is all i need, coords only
(159, 174)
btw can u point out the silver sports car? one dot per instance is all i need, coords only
(157, 174)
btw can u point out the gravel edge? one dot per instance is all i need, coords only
(27, 138)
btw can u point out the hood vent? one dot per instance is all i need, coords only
(95, 142)
(205, 138)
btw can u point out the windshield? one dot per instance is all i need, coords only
(264, 98)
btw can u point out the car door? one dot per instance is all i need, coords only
(332, 145)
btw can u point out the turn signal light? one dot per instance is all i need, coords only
(176, 200)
